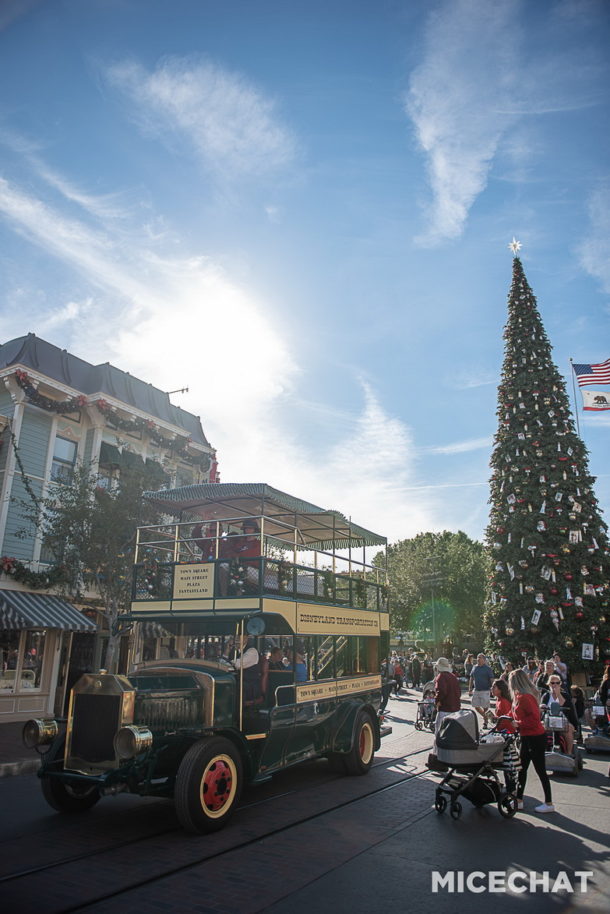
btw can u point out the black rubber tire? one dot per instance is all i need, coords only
(440, 803)
(213, 767)
(419, 725)
(579, 760)
(455, 810)
(360, 757)
(70, 798)
(507, 806)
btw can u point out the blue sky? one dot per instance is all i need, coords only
(301, 211)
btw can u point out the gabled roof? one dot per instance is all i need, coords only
(318, 528)
(36, 354)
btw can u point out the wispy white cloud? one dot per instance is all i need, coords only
(594, 250)
(107, 206)
(184, 321)
(90, 251)
(467, 379)
(273, 213)
(460, 447)
(475, 87)
(231, 125)
(70, 312)
(468, 67)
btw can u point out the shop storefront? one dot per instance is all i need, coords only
(35, 639)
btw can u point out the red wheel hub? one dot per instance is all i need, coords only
(362, 742)
(217, 784)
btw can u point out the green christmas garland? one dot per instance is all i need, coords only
(36, 579)
(130, 426)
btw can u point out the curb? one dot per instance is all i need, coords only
(23, 766)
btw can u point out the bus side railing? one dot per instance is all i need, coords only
(153, 580)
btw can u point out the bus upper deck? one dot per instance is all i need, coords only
(239, 545)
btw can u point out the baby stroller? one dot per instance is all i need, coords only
(426, 709)
(481, 770)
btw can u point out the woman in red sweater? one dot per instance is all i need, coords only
(503, 712)
(526, 714)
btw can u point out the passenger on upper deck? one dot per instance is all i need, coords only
(246, 546)
(229, 547)
(205, 540)
(246, 549)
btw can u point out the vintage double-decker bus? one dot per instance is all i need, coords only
(260, 623)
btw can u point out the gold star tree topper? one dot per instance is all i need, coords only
(515, 246)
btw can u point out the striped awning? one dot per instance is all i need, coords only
(22, 609)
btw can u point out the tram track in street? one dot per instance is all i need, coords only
(240, 846)
(15, 881)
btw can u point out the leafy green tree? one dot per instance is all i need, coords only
(90, 531)
(546, 540)
(437, 586)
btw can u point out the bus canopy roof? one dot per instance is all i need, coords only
(318, 528)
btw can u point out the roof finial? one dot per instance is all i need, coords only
(515, 246)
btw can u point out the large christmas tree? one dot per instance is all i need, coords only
(547, 541)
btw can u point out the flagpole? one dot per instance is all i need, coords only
(575, 400)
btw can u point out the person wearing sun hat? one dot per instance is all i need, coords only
(447, 691)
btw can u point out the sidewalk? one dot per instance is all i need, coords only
(14, 757)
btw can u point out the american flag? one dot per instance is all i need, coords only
(592, 374)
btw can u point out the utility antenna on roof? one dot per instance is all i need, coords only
(181, 390)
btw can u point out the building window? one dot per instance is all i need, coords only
(64, 458)
(21, 660)
(33, 656)
(184, 477)
(9, 660)
(108, 477)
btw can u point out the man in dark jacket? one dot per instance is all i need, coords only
(447, 691)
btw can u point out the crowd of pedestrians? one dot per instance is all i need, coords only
(521, 692)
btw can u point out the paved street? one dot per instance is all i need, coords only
(307, 841)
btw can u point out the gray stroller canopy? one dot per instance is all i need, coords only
(459, 730)
(458, 743)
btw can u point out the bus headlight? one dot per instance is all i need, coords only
(39, 732)
(131, 740)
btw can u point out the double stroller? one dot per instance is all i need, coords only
(426, 709)
(483, 770)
